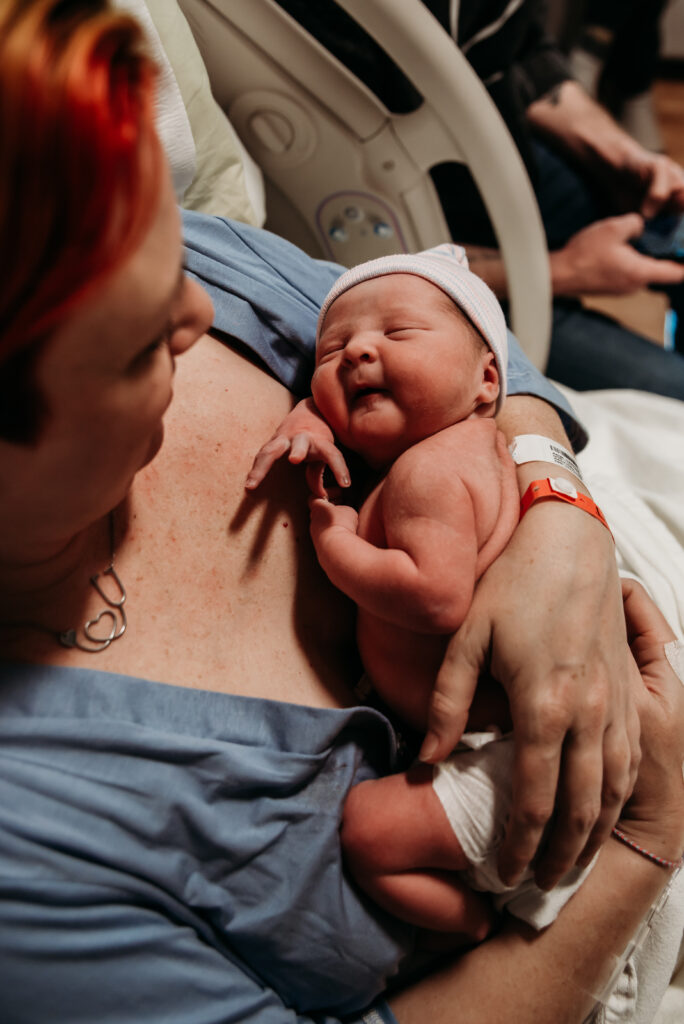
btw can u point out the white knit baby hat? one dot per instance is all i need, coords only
(446, 266)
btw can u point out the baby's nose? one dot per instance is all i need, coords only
(361, 350)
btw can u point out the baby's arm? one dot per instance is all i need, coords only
(308, 438)
(423, 579)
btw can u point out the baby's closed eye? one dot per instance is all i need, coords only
(401, 332)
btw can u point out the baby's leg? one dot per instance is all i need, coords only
(403, 852)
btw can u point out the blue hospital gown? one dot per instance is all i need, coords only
(171, 855)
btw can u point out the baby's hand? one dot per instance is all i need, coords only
(307, 438)
(325, 517)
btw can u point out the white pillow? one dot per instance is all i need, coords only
(225, 180)
(172, 121)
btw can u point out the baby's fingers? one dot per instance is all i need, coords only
(266, 456)
(337, 465)
(307, 447)
(314, 479)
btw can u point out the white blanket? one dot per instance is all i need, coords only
(173, 125)
(634, 467)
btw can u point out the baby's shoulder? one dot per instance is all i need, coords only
(439, 461)
(468, 443)
(470, 457)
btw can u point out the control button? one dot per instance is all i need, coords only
(382, 229)
(338, 233)
(273, 130)
(277, 130)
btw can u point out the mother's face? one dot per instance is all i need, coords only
(107, 374)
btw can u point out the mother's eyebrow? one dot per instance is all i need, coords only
(177, 286)
(179, 282)
(175, 291)
(172, 296)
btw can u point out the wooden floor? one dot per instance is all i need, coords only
(669, 105)
(645, 311)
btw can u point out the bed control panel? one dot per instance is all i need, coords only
(358, 226)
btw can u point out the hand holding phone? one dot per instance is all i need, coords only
(663, 237)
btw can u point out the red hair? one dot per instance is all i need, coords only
(79, 158)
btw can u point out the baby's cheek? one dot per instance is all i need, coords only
(326, 391)
(318, 384)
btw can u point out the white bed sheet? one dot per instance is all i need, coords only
(634, 467)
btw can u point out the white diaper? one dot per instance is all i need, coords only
(474, 788)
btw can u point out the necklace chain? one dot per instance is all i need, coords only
(87, 638)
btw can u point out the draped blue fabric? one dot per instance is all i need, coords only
(176, 852)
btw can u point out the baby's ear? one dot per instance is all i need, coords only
(489, 385)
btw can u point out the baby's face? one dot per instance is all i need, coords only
(396, 362)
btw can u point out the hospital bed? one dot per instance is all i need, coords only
(346, 178)
(321, 139)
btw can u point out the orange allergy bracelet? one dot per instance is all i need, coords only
(560, 489)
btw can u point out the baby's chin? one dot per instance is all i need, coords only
(378, 449)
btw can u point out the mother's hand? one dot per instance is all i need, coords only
(547, 621)
(552, 976)
(654, 815)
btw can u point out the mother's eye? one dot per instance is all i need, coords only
(145, 354)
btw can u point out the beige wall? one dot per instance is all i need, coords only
(672, 30)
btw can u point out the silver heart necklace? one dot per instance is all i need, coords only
(111, 620)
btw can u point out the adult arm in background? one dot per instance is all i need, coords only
(530, 80)
(598, 260)
(636, 178)
(549, 622)
(639, 184)
(528, 76)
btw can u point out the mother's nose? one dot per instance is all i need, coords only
(193, 317)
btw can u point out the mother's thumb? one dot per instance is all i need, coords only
(450, 702)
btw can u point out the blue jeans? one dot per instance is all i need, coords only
(589, 350)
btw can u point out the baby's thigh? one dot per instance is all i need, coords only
(400, 818)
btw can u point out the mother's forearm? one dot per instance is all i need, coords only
(557, 974)
(530, 415)
(525, 414)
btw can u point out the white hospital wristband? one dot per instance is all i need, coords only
(536, 448)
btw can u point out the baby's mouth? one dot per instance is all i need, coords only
(364, 395)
